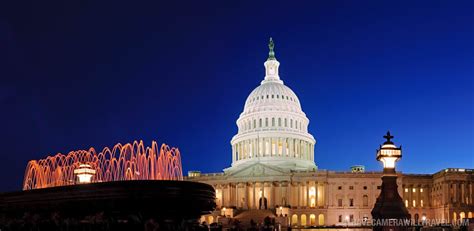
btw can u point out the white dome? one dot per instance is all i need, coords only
(272, 96)
(273, 129)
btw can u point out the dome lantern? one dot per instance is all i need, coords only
(271, 65)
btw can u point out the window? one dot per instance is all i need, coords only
(365, 201)
(414, 189)
(260, 122)
(365, 187)
(340, 218)
(339, 202)
(421, 203)
(421, 190)
(286, 122)
(254, 124)
(273, 96)
(351, 187)
(406, 203)
(414, 203)
(406, 189)
(351, 202)
(379, 187)
(291, 123)
(339, 188)
(273, 122)
(351, 218)
(266, 122)
(267, 96)
(279, 122)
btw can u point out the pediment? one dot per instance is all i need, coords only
(256, 170)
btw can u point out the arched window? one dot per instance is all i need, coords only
(260, 123)
(462, 215)
(279, 122)
(469, 215)
(210, 219)
(454, 216)
(406, 203)
(266, 122)
(365, 201)
(254, 123)
(286, 122)
(273, 122)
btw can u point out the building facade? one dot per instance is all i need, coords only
(273, 172)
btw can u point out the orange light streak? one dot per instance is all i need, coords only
(122, 162)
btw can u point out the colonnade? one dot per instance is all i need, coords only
(247, 195)
(273, 146)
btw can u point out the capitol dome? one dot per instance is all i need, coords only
(272, 128)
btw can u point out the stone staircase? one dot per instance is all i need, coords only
(257, 215)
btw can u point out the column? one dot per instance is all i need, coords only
(326, 194)
(299, 194)
(316, 193)
(254, 196)
(284, 147)
(308, 200)
(272, 195)
(289, 193)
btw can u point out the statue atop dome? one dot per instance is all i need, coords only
(271, 46)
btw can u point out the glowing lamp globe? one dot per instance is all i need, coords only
(389, 153)
(84, 173)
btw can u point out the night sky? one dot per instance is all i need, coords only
(80, 74)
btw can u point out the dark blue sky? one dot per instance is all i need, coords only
(82, 74)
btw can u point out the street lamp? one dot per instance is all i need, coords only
(84, 173)
(389, 205)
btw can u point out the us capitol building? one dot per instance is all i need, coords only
(273, 172)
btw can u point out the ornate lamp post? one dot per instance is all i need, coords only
(389, 212)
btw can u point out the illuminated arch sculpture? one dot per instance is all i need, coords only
(131, 161)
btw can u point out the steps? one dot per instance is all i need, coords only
(257, 215)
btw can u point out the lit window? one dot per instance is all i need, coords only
(406, 189)
(406, 203)
(421, 190)
(414, 190)
(414, 203)
(421, 203)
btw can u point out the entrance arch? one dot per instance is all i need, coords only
(312, 220)
(321, 219)
(303, 220)
(294, 220)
